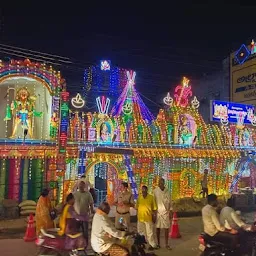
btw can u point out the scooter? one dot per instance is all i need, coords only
(50, 244)
(212, 248)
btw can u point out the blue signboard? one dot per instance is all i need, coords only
(231, 112)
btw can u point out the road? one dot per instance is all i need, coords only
(11, 243)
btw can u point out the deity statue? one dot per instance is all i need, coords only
(22, 109)
(185, 133)
(246, 137)
(105, 133)
(54, 125)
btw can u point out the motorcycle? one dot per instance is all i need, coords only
(138, 241)
(212, 248)
(50, 244)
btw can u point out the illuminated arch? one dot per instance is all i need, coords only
(47, 76)
(118, 167)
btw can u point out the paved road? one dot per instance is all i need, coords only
(11, 243)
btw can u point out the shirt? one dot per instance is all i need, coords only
(163, 200)
(102, 229)
(126, 198)
(211, 221)
(82, 202)
(205, 182)
(145, 207)
(229, 215)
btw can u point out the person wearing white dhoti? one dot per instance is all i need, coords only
(164, 208)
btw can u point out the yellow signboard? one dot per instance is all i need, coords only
(243, 76)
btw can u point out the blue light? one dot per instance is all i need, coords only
(242, 54)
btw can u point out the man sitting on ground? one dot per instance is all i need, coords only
(212, 226)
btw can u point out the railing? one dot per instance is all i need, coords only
(101, 196)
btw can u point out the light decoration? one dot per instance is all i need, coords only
(64, 109)
(253, 48)
(240, 120)
(251, 117)
(195, 103)
(168, 100)
(127, 108)
(105, 65)
(130, 103)
(103, 104)
(182, 93)
(77, 101)
(242, 54)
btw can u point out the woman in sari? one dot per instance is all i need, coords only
(68, 226)
(43, 210)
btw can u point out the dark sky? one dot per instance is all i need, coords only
(162, 43)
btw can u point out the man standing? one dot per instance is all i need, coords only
(123, 203)
(83, 206)
(85, 180)
(146, 207)
(204, 184)
(213, 228)
(163, 202)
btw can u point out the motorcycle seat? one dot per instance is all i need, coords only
(209, 242)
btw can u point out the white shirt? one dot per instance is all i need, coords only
(211, 221)
(163, 200)
(229, 215)
(102, 230)
(83, 200)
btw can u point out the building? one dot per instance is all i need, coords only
(212, 87)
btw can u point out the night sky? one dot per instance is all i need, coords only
(162, 43)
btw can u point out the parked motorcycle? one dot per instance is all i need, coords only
(50, 244)
(212, 248)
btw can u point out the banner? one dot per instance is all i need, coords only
(231, 111)
(243, 75)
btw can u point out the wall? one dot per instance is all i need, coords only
(212, 87)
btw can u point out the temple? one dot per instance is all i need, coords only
(48, 139)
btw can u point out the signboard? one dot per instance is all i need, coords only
(243, 75)
(64, 115)
(231, 112)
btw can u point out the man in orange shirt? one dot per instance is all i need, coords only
(146, 207)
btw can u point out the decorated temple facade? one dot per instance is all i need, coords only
(48, 139)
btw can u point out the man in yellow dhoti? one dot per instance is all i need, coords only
(163, 202)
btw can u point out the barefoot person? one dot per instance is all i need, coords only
(163, 202)
(146, 207)
(83, 206)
